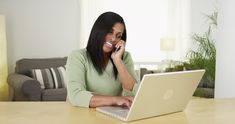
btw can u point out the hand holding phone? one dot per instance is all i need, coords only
(118, 50)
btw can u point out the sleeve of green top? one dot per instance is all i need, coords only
(75, 72)
(130, 68)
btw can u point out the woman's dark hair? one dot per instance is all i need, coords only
(100, 29)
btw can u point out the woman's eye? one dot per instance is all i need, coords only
(119, 37)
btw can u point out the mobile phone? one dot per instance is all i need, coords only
(116, 49)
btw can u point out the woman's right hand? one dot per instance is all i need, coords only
(99, 100)
(125, 101)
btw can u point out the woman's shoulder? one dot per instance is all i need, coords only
(127, 59)
(126, 54)
(79, 53)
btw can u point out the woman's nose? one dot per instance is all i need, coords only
(113, 38)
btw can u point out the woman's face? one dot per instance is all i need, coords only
(112, 38)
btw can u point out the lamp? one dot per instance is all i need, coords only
(167, 45)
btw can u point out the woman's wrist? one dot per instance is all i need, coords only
(113, 100)
(117, 61)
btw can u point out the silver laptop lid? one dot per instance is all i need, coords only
(164, 93)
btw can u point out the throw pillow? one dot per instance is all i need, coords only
(50, 78)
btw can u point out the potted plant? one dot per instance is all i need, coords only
(204, 57)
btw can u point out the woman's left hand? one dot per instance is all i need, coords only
(118, 54)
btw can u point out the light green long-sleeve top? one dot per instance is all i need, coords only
(83, 79)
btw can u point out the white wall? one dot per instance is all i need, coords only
(198, 10)
(225, 65)
(40, 28)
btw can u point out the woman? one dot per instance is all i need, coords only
(103, 73)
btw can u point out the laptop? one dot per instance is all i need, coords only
(158, 94)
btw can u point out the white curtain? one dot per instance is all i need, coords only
(179, 26)
(3, 61)
(147, 21)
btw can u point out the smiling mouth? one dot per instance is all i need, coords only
(109, 44)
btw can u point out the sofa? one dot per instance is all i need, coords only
(25, 87)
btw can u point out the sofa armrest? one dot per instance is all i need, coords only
(32, 90)
(16, 80)
(23, 88)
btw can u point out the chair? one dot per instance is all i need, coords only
(22, 87)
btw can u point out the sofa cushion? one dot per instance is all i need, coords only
(23, 66)
(50, 78)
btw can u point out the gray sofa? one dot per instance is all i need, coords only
(22, 87)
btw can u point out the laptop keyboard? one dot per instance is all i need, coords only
(118, 112)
